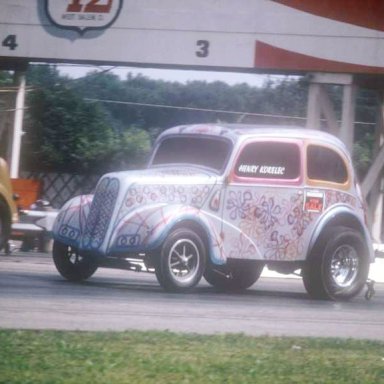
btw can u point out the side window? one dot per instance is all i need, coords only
(326, 165)
(269, 160)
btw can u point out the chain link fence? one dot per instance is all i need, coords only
(58, 188)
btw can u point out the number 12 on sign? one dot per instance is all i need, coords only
(89, 6)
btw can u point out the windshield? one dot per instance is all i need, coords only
(203, 151)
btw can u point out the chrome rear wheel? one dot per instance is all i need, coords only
(344, 266)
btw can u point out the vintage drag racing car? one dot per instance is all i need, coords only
(223, 202)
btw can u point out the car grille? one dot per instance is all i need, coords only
(100, 213)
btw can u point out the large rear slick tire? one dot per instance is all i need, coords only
(338, 269)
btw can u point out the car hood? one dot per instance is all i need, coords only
(166, 175)
(123, 191)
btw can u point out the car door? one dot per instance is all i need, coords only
(263, 215)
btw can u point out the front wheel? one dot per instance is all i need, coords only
(71, 264)
(339, 268)
(182, 261)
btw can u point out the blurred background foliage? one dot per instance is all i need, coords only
(101, 122)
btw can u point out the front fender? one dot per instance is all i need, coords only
(70, 221)
(344, 216)
(145, 229)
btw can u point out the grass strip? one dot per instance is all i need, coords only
(165, 357)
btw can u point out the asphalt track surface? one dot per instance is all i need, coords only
(34, 296)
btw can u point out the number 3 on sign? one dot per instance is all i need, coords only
(10, 42)
(203, 48)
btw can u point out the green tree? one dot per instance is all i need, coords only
(5, 78)
(66, 133)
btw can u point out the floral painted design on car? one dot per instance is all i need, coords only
(223, 202)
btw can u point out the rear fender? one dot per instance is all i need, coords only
(70, 221)
(341, 216)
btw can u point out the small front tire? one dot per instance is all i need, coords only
(70, 264)
(182, 261)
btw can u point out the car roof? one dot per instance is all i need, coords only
(236, 132)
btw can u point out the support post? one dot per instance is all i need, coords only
(19, 80)
(313, 110)
(329, 114)
(348, 115)
(319, 104)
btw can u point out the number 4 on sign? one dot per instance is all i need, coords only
(10, 42)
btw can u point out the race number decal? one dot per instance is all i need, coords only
(314, 201)
(81, 15)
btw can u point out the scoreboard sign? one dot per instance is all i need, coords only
(247, 35)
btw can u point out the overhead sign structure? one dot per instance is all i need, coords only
(250, 35)
(82, 16)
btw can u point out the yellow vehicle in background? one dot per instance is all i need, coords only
(8, 209)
